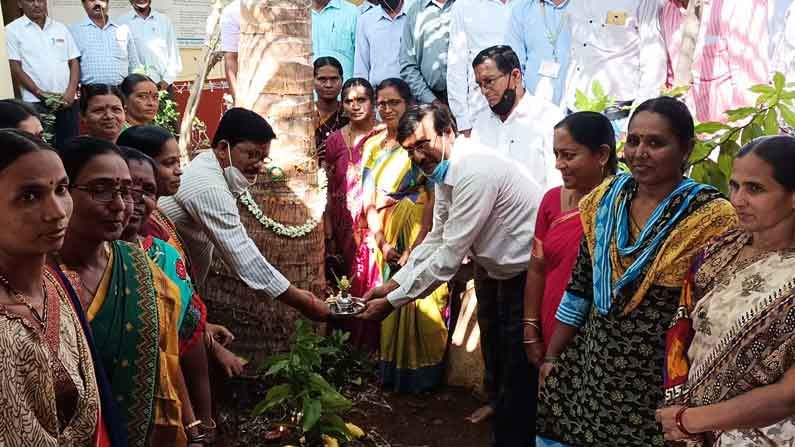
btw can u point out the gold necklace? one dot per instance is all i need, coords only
(25, 301)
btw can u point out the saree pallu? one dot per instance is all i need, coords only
(48, 389)
(734, 332)
(414, 337)
(133, 319)
(605, 388)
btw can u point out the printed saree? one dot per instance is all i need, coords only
(48, 389)
(414, 337)
(605, 388)
(734, 332)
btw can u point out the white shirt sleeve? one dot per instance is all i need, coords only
(173, 61)
(458, 70)
(230, 29)
(216, 210)
(361, 58)
(653, 72)
(72, 49)
(12, 44)
(474, 200)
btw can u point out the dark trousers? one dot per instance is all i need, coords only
(514, 381)
(67, 122)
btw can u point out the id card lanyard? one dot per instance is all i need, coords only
(552, 36)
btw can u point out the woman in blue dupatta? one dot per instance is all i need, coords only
(601, 381)
(131, 310)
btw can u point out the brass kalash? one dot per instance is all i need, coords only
(343, 305)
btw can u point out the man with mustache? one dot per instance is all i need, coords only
(378, 35)
(206, 215)
(156, 41)
(44, 60)
(107, 49)
(486, 206)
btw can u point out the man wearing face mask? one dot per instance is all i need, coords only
(517, 124)
(486, 206)
(205, 212)
(379, 32)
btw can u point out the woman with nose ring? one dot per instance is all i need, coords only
(601, 380)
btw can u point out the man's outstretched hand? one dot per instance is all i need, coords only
(306, 302)
(377, 309)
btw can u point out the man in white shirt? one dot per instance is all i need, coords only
(206, 215)
(229, 42)
(620, 44)
(156, 42)
(486, 207)
(517, 124)
(44, 60)
(476, 24)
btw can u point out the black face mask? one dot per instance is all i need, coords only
(504, 106)
(390, 5)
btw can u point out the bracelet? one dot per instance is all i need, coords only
(531, 320)
(531, 324)
(531, 341)
(195, 423)
(680, 425)
(209, 425)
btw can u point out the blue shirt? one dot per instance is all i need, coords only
(378, 38)
(107, 55)
(540, 31)
(334, 33)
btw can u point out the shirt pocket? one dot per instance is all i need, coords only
(120, 48)
(619, 32)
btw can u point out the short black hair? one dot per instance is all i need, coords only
(13, 112)
(16, 143)
(502, 55)
(77, 152)
(400, 85)
(676, 113)
(128, 84)
(132, 154)
(89, 91)
(147, 139)
(239, 124)
(592, 130)
(326, 61)
(442, 120)
(779, 152)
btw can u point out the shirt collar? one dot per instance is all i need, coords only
(332, 4)
(27, 22)
(89, 22)
(133, 15)
(446, 4)
(563, 4)
(385, 15)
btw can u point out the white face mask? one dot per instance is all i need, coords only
(237, 181)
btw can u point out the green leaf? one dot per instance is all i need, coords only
(312, 410)
(741, 113)
(581, 102)
(710, 127)
(701, 151)
(277, 367)
(770, 124)
(750, 132)
(787, 115)
(333, 425)
(276, 395)
(598, 90)
(779, 81)
(763, 88)
(710, 173)
(728, 150)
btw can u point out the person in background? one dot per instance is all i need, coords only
(476, 24)
(378, 35)
(334, 31)
(349, 251)
(107, 49)
(45, 62)
(141, 100)
(156, 42)
(783, 59)
(540, 33)
(48, 375)
(601, 379)
(516, 124)
(15, 114)
(730, 378)
(205, 213)
(485, 207)
(585, 150)
(229, 42)
(102, 111)
(423, 50)
(398, 204)
(620, 45)
(724, 63)
(160, 145)
(330, 116)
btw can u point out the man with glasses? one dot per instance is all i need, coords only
(486, 207)
(205, 212)
(516, 124)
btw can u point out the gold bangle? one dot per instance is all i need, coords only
(210, 425)
(531, 341)
(195, 423)
(531, 320)
(532, 324)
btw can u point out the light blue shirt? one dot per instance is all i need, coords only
(378, 38)
(334, 33)
(107, 55)
(540, 31)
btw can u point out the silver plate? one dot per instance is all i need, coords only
(358, 307)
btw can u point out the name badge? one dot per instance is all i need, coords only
(549, 69)
(617, 18)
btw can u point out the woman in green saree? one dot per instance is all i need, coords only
(131, 311)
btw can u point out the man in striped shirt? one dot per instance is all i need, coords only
(205, 212)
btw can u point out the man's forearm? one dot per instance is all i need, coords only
(230, 69)
(24, 80)
(74, 75)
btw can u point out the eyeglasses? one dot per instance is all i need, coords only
(392, 103)
(105, 194)
(489, 83)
